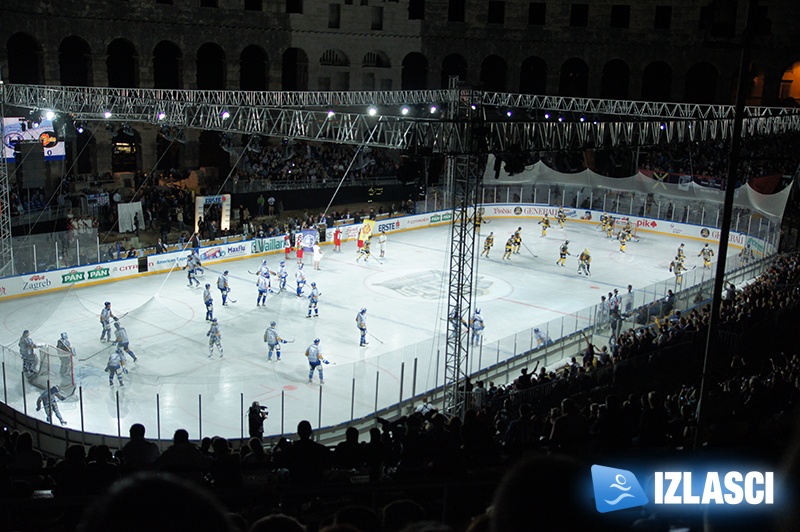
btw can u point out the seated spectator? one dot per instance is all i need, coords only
(183, 458)
(349, 454)
(305, 459)
(138, 453)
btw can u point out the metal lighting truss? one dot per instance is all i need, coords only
(342, 117)
(463, 177)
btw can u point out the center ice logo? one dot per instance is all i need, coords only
(616, 489)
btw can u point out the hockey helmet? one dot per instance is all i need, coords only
(536, 330)
(283, 263)
(706, 245)
(213, 320)
(208, 285)
(116, 324)
(225, 272)
(63, 336)
(586, 250)
(313, 285)
(566, 241)
(55, 389)
(477, 311)
(272, 324)
(681, 244)
(264, 262)
(316, 340)
(107, 303)
(363, 311)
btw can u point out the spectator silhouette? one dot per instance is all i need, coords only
(183, 458)
(155, 503)
(277, 523)
(349, 454)
(138, 453)
(101, 469)
(305, 459)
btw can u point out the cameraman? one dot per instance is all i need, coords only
(255, 419)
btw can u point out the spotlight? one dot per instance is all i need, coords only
(106, 114)
(663, 126)
(404, 110)
(162, 115)
(583, 119)
(473, 107)
(560, 118)
(225, 115)
(508, 113)
(433, 109)
(49, 115)
(330, 113)
(80, 130)
(547, 116)
(372, 111)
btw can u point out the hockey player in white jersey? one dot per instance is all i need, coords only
(66, 349)
(315, 361)
(299, 279)
(361, 323)
(263, 288)
(224, 287)
(313, 299)
(116, 366)
(49, 400)
(274, 341)
(122, 340)
(264, 269)
(541, 338)
(282, 276)
(26, 351)
(105, 320)
(214, 338)
(209, 302)
(477, 325)
(191, 265)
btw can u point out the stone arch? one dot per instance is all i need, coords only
(211, 152)
(253, 69)
(211, 67)
(755, 85)
(75, 62)
(615, 82)
(294, 70)
(574, 78)
(334, 57)
(533, 76)
(25, 64)
(122, 64)
(376, 59)
(701, 83)
(657, 82)
(453, 65)
(126, 150)
(790, 83)
(415, 72)
(494, 71)
(167, 66)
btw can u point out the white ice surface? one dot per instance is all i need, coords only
(406, 301)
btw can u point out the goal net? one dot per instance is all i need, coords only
(619, 225)
(56, 368)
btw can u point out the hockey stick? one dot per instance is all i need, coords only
(529, 251)
(96, 353)
(375, 337)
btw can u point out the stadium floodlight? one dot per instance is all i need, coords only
(49, 115)
(372, 111)
(583, 118)
(560, 118)
(225, 114)
(79, 129)
(473, 107)
(404, 110)
(433, 109)
(107, 114)
(161, 115)
(663, 126)
(547, 116)
(509, 113)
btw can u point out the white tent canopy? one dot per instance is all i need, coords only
(769, 205)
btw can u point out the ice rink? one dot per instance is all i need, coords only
(175, 384)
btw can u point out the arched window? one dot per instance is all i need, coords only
(75, 62)
(253, 69)
(533, 76)
(616, 80)
(294, 70)
(415, 72)
(24, 60)
(211, 67)
(167, 66)
(334, 58)
(494, 71)
(453, 65)
(657, 82)
(790, 83)
(122, 64)
(574, 78)
(701, 84)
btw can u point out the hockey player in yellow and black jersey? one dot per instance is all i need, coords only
(545, 223)
(516, 241)
(561, 217)
(487, 245)
(584, 262)
(707, 253)
(623, 238)
(509, 247)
